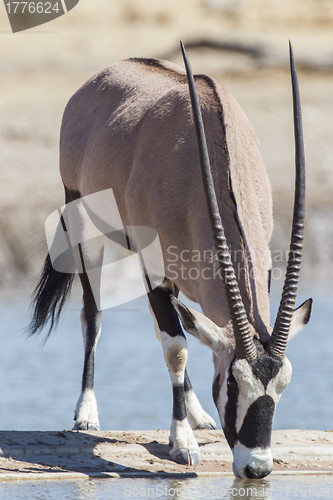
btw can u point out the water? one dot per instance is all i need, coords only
(39, 384)
(222, 488)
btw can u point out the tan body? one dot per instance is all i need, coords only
(137, 128)
(130, 128)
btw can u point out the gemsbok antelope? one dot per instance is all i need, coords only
(133, 128)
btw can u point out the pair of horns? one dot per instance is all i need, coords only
(245, 347)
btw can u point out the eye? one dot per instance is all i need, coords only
(232, 384)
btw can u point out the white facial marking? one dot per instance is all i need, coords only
(276, 386)
(249, 386)
(222, 361)
(222, 400)
(259, 459)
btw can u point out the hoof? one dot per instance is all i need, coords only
(185, 457)
(86, 426)
(207, 425)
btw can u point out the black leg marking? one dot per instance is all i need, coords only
(168, 322)
(187, 382)
(86, 413)
(179, 408)
(92, 320)
(185, 449)
(164, 312)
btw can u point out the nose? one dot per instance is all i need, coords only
(252, 462)
(256, 473)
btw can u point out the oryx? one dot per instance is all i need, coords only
(133, 128)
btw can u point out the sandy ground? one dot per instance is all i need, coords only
(138, 453)
(41, 68)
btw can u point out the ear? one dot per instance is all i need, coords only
(200, 326)
(301, 317)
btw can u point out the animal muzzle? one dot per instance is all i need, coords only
(251, 462)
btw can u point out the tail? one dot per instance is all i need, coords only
(49, 297)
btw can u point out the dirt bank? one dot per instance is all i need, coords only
(141, 452)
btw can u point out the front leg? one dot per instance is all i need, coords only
(198, 417)
(185, 449)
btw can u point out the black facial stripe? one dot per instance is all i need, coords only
(230, 411)
(179, 408)
(265, 368)
(257, 426)
(216, 389)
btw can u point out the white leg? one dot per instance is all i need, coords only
(86, 412)
(185, 448)
(198, 417)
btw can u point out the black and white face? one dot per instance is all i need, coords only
(245, 391)
(246, 395)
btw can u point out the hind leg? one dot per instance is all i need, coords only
(88, 256)
(87, 244)
(86, 412)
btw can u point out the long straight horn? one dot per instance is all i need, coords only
(279, 338)
(245, 347)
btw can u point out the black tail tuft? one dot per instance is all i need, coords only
(49, 297)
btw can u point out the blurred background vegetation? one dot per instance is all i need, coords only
(242, 43)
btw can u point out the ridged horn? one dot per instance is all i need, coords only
(245, 347)
(279, 338)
